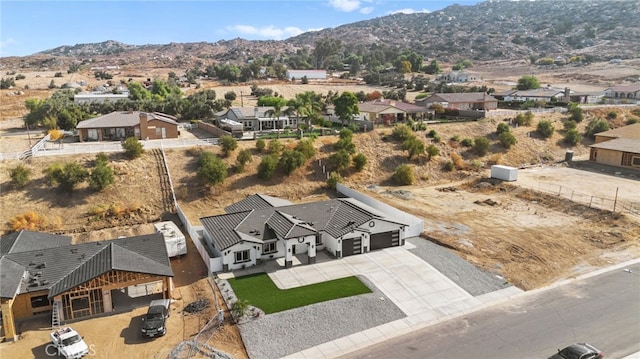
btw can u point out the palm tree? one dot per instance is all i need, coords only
(306, 105)
(279, 109)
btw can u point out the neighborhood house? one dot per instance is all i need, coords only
(44, 274)
(617, 147)
(120, 125)
(261, 228)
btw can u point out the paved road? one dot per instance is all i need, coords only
(603, 310)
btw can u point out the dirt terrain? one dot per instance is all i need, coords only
(529, 237)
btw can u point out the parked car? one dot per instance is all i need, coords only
(153, 323)
(578, 351)
(69, 343)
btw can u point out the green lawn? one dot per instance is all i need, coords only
(260, 291)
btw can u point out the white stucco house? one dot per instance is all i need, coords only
(261, 227)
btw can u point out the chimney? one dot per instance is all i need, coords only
(143, 125)
(255, 112)
(567, 94)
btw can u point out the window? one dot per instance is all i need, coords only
(242, 256)
(269, 247)
(40, 301)
(635, 161)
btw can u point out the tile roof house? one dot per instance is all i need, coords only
(391, 111)
(262, 228)
(120, 125)
(257, 118)
(42, 273)
(617, 147)
(461, 101)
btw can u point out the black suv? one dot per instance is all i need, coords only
(153, 323)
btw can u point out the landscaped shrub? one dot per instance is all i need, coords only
(267, 166)
(402, 132)
(261, 145)
(275, 146)
(102, 174)
(467, 142)
(457, 160)
(413, 146)
(333, 180)
(132, 148)
(481, 145)
(228, 145)
(545, 128)
(595, 126)
(432, 151)
(502, 127)
(244, 157)
(403, 175)
(524, 119)
(507, 139)
(449, 166)
(290, 160)
(340, 160)
(359, 161)
(67, 177)
(570, 125)
(306, 148)
(572, 137)
(211, 169)
(20, 176)
(345, 144)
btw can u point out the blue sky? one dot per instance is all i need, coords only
(27, 27)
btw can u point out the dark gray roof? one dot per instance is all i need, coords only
(256, 201)
(11, 274)
(24, 240)
(336, 217)
(62, 268)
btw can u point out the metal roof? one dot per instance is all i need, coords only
(11, 274)
(256, 201)
(62, 268)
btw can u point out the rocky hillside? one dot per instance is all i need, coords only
(491, 30)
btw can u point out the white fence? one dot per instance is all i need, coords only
(214, 264)
(415, 224)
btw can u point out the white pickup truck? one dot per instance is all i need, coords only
(69, 343)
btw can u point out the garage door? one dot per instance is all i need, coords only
(385, 240)
(351, 246)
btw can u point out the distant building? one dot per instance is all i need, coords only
(310, 74)
(99, 97)
(623, 92)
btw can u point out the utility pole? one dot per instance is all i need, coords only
(241, 99)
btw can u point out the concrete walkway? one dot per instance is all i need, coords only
(424, 294)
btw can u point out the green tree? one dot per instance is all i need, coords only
(261, 145)
(333, 180)
(230, 95)
(432, 151)
(275, 146)
(413, 146)
(101, 175)
(572, 137)
(20, 176)
(545, 128)
(345, 145)
(137, 92)
(306, 148)
(359, 161)
(67, 177)
(433, 68)
(7, 83)
(228, 144)
(211, 168)
(575, 112)
(402, 132)
(481, 145)
(346, 106)
(596, 126)
(267, 166)
(404, 67)
(524, 119)
(528, 82)
(507, 139)
(239, 308)
(244, 157)
(290, 160)
(277, 111)
(502, 127)
(325, 48)
(133, 148)
(340, 160)
(403, 175)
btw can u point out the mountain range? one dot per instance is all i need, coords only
(491, 30)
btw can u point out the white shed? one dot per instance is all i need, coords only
(504, 173)
(173, 238)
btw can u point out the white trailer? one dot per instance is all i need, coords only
(174, 239)
(504, 173)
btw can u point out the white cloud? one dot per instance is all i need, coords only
(408, 11)
(267, 32)
(345, 5)
(366, 10)
(7, 42)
